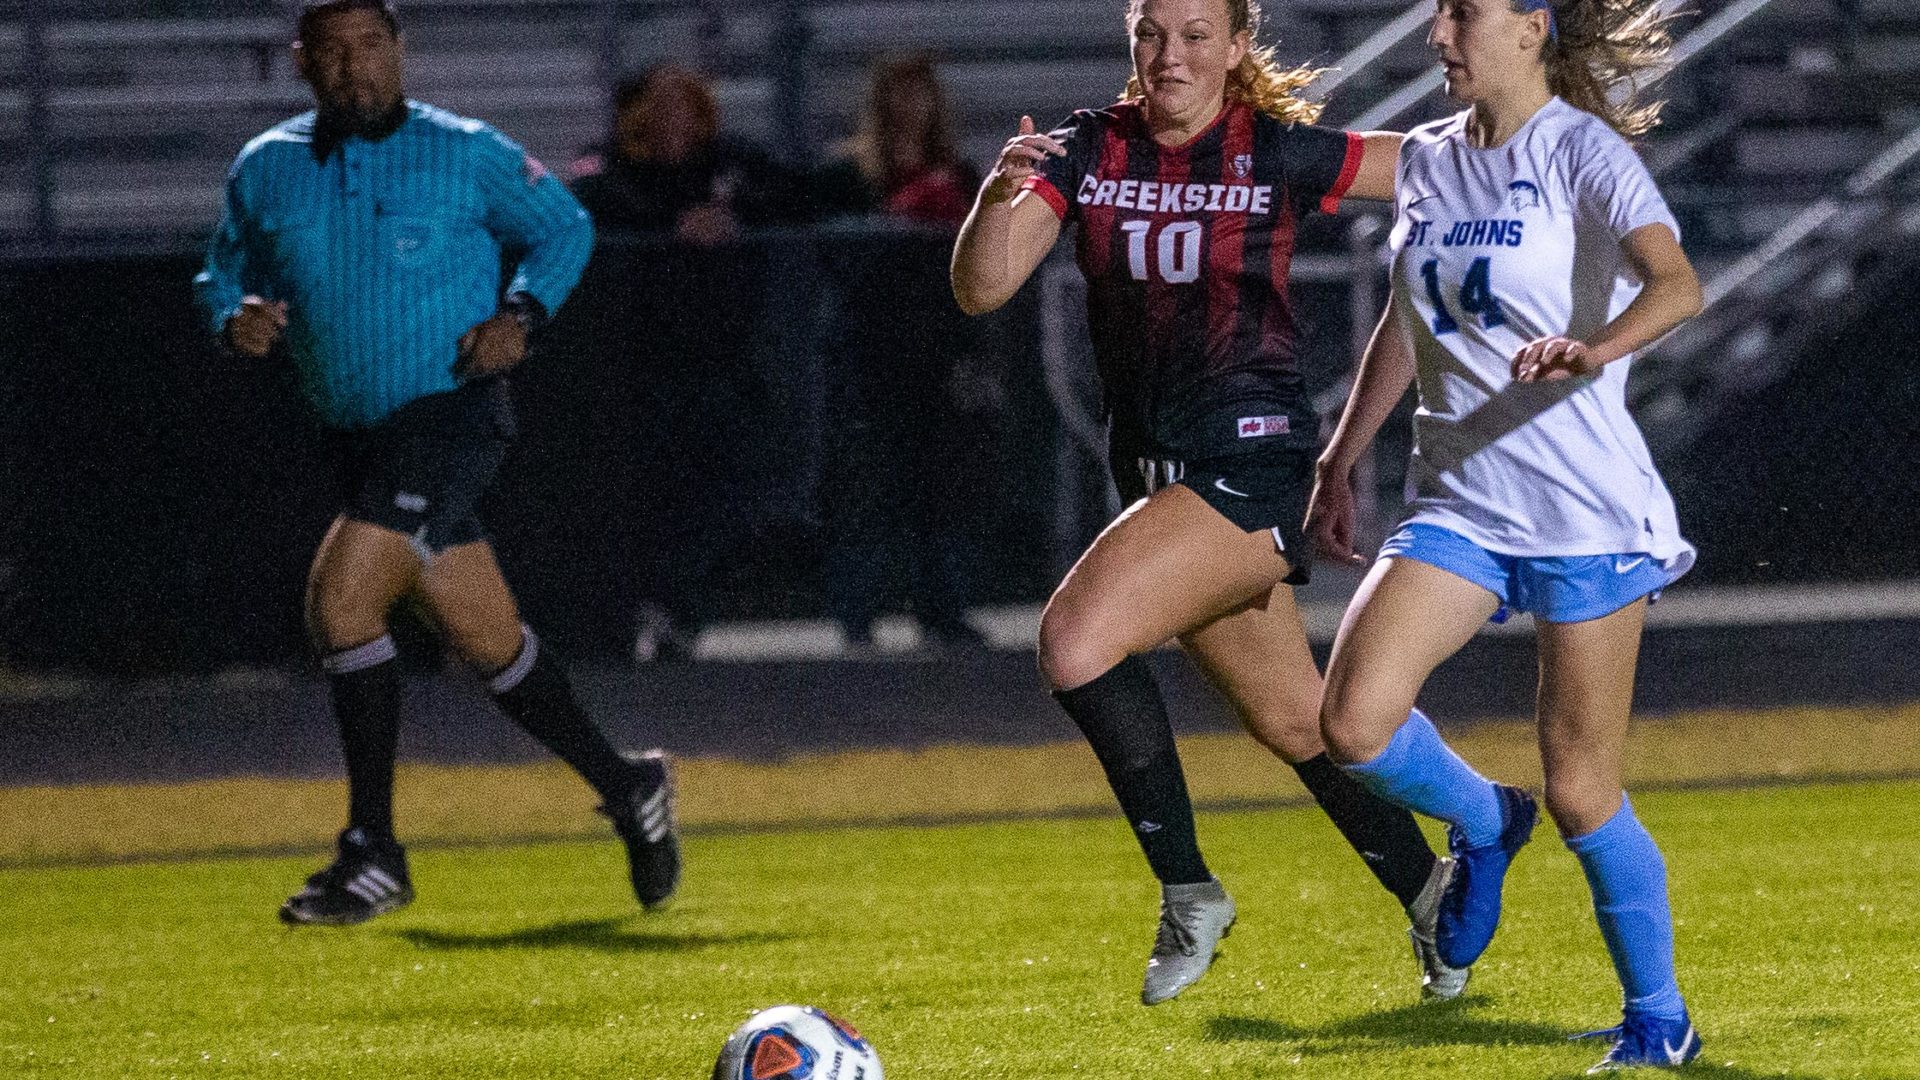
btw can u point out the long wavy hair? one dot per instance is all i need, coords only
(1601, 58)
(893, 77)
(1259, 80)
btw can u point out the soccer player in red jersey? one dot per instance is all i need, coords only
(1187, 193)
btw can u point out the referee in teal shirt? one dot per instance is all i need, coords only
(368, 237)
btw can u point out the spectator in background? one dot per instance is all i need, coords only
(666, 167)
(903, 160)
(668, 419)
(916, 398)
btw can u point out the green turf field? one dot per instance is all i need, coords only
(993, 950)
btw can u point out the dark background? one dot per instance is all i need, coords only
(725, 416)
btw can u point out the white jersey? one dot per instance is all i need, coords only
(1493, 248)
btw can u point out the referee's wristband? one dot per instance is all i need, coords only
(528, 312)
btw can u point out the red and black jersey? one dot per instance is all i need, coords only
(1185, 251)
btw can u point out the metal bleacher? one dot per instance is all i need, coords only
(147, 102)
(1790, 151)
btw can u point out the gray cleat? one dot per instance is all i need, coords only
(1438, 982)
(1193, 919)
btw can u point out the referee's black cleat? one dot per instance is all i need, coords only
(369, 878)
(644, 819)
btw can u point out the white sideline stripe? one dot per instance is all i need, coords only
(1761, 605)
(1017, 627)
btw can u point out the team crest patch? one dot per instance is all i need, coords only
(1242, 165)
(1255, 427)
(1523, 195)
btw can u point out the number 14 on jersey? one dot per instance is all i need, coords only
(1476, 296)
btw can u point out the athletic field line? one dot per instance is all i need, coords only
(903, 821)
(1017, 626)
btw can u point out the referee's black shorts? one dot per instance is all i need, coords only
(423, 470)
(1267, 490)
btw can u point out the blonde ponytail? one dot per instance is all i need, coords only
(1602, 55)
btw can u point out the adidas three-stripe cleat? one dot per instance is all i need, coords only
(1470, 907)
(1193, 919)
(645, 822)
(369, 878)
(1438, 982)
(1647, 1042)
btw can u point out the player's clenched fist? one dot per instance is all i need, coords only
(253, 329)
(494, 347)
(1017, 160)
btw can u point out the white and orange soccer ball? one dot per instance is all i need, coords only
(796, 1042)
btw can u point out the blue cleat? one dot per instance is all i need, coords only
(1643, 1041)
(1470, 908)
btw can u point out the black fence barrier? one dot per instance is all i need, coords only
(801, 424)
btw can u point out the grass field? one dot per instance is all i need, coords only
(1008, 949)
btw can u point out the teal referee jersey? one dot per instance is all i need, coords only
(386, 251)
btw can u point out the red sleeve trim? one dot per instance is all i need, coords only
(1049, 194)
(1350, 168)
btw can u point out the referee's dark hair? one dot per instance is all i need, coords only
(312, 11)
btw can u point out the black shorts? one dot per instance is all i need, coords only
(1268, 490)
(423, 470)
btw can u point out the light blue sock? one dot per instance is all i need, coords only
(1419, 771)
(1629, 882)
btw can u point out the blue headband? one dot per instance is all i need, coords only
(1526, 6)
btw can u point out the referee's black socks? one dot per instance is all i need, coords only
(366, 700)
(1123, 717)
(534, 691)
(1385, 835)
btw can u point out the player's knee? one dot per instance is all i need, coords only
(489, 648)
(1072, 652)
(341, 615)
(1352, 727)
(1288, 731)
(1580, 804)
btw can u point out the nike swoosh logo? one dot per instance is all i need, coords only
(1627, 566)
(1222, 485)
(1422, 199)
(1677, 1056)
(1148, 827)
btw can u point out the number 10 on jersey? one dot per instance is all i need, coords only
(1178, 248)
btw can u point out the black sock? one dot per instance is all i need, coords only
(1384, 834)
(1123, 717)
(366, 700)
(535, 692)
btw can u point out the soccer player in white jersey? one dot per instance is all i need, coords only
(1532, 256)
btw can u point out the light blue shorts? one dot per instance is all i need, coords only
(1562, 589)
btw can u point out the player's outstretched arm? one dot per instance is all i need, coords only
(1385, 372)
(1670, 295)
(1009, 231)
(1379, 166)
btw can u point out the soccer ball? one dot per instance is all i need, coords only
(796, 1042)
